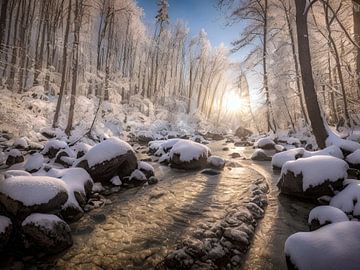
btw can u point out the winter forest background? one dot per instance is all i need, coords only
(100, 58)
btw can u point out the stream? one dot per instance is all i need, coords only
(142, 225)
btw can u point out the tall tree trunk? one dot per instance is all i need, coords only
(3, 21)
(64, 65)
(39, 59)
(75, 63)
(356, 16)
(317, 124)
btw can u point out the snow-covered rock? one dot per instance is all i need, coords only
(146, 169)
(97, 187)
(22, 195)
(189, 155)
(279, 159)
(348, 200)
(14, 157)
(81, 149)
(312, 177)
(21, 143)
(265, 143)
(52, 147)
(79, 186)
(260, 155)
(47, 233)
(216, 162)
(347, 146)
(335, 246)
(137, 177)
(242, 133)
(323, 215)
(116, 181)
(109, 158)
(354, 159)
(5, 231)
(293, 141)
(34, 163)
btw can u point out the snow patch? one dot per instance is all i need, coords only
(46, 221)
(327, 213)
(5, 222)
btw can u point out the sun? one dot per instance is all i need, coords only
(232, 102)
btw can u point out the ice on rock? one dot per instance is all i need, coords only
(316, 170)
(335, 246)
(348, 200)
(326, 214)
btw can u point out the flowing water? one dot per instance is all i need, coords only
(143, 224)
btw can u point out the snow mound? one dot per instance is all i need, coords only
(189, 150)
(14, 153)
(34, 162)
(75, 180)
(326, 214)
(316, 170)
(279, 159)
(107, 150)
(21, 143)
(32, 190)
(348, 200)
(216, 162)
(54, 144)
(46, 221)
(347, 145)
(354, 158)
(266, 143)
(11, 173)
(335, 246)
(116, 181)
(5, 222)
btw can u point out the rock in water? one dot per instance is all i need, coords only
(313, 177)
(46, 233)
(112, 157)
(189, 155)
(260, 155)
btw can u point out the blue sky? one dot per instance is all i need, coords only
(198, 14)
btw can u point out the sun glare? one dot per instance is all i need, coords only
(232, 102)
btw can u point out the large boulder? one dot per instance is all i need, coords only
(313, 177)
(335, 246)
(242, 133)
(109, 158)
(5, 231)
(189, 155)
(79, 186)
(23, 195)
(46, 233)
(324, 215)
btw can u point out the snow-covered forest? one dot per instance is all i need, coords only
(135, 135)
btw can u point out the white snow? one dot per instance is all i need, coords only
(317, 169)
(75, 180)
(354, 158)
(264, 141)
(116, 181)
(34, 162)
(14, 153)
(46, 221)
(144, 166)
(5, 222)
(84, 147)
(216, 161)
(56, 144)
(97, 187)
(334, 247)
(164, 158)
(348, 200)
(188, 150)
(138, 175)
(327, 213)
(11, 173)
(334, 139)
(107, 150)
(21, 142)
(293, 141)
(31, 190)
(279, 159)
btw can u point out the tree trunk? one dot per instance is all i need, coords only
(75, 63)
(311, 100)
(64, 65)
(3, 21)
(356, 16)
